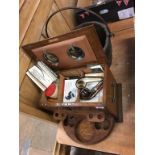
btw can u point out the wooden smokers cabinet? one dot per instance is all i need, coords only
(105, 111)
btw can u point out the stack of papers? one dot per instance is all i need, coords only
(41, 75)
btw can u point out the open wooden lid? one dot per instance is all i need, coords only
(71, 50)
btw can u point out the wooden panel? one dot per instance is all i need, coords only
(21, 2)
(33, 34)
(29, 92)
(57, 24)
(88, 31)
(120, 25)
(60, 48)
(84, 3)
(124, 56)
(108, 91)
(69, 14)
(24, 61)
(33, 111)
(26, 15)
(122, 35)
(36, 151)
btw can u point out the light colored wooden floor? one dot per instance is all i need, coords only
(36, 137)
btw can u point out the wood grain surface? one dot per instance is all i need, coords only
(29, 92)
(57, 25)
(33, 111)
(33, 34)
(121, 25)
(26, 14)
(84, 3)
(21, 2)
(68, 14)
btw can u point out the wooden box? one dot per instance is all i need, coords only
(67, 66)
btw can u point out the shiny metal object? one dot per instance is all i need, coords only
(51, 58)
(86, 93)
(75, 53)
(82, 82)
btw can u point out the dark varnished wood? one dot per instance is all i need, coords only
(92, 37)
(88, 31)
(86, 38)
(109, 90)
(84, 131)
